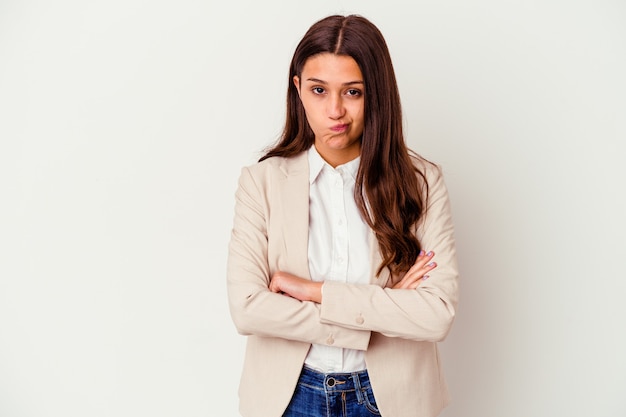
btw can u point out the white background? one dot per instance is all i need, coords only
(123, 127)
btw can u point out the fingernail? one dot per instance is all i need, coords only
(425, 277)
(431, 264)
(422, 252)
(430, 253)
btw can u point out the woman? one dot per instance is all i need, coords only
(331, 270)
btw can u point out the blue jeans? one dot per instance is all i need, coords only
(332, 395)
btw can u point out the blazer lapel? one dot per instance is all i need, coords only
(294, 197)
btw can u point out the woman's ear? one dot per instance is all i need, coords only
(296, 82)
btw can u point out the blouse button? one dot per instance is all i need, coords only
(360, 320)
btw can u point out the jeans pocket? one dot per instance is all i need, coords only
(370, 401)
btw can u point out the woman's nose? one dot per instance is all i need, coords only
(335, 110)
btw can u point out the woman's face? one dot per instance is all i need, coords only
(332, 92)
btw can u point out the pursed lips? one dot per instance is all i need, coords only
(339, 128)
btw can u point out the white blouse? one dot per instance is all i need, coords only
(339, 247)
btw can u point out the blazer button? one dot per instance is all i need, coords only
(360, 320)
(330, 340)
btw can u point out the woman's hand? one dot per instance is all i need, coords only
(296, 287)
(417, 274)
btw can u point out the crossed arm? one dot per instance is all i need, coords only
(306, 290)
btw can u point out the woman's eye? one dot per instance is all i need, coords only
(353, 92)
(318, 90)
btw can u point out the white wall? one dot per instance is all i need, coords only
(123, 126)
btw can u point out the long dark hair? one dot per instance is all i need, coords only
(390, 191)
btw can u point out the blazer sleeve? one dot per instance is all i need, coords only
(423, 314)
(255, 310)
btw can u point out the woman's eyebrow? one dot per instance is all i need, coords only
(318, 81)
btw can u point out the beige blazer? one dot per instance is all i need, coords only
(397, 328)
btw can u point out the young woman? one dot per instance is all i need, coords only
(331, 270)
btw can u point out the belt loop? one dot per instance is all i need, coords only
(357, 387)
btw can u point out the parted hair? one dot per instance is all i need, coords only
(390, 191)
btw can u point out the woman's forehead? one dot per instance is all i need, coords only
(331, 67)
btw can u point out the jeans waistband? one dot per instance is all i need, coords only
(337, 382)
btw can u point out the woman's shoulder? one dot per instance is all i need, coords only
(278, 164)
(429, 169)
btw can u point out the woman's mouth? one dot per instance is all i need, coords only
(339, 128)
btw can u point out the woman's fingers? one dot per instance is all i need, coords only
(423, 259)
(418, 272)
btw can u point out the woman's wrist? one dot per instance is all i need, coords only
(316, 292)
